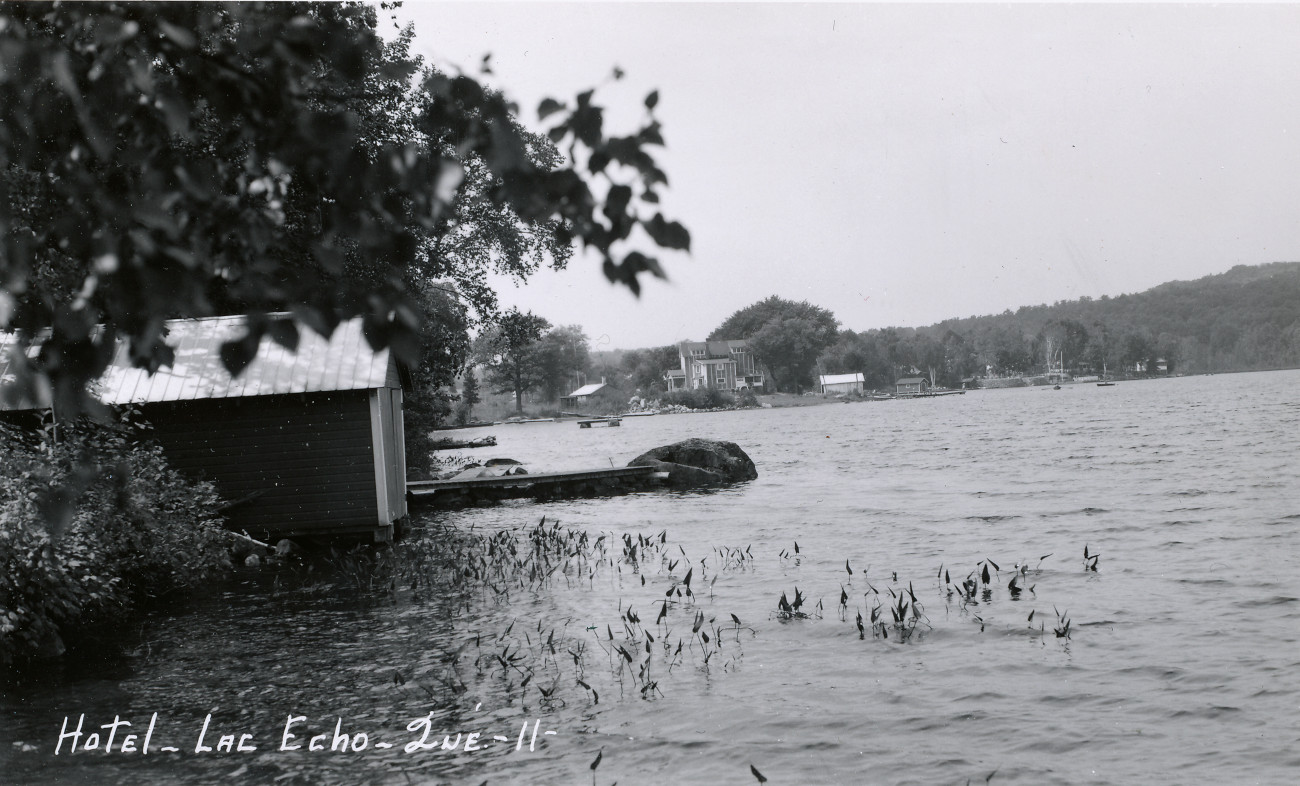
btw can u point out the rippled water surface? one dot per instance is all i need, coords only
(1180, 667)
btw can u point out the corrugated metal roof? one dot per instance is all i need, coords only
(344, 361)
(840, 379)
(587, 390)
(717, 349)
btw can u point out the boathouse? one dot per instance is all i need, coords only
(303, 444)
(584, 395)
(840, 383)
(910, 386)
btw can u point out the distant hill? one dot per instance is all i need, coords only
(1247, 318)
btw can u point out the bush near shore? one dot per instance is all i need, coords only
(94, 525)
(708, 398)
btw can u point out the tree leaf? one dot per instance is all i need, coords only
(285, 333)
(548, 107)
(178, 35)
(236, 355)
(668, 234)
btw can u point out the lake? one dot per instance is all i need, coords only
(1180, 664)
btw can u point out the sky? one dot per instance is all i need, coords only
(900, 164)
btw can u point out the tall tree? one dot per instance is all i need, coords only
(789, 349)
(750, 319)
(644, 368)
(863, 353)
(468, 397)
(927, 354)
(160, 158)
(1138, 351)
(1064, 340)
(444, 349)
(509, 352)
(786, 336)
(563, 355)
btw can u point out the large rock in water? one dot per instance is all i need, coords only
(699, 462)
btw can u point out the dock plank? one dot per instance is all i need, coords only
(457, 492)
(420, 488)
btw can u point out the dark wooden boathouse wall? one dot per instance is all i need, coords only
(308, 457)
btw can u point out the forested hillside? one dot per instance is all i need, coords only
(1247, 318)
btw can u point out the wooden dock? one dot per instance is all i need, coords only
(611, 422)
(549, 485)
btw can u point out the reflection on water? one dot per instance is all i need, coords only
(1179, 666)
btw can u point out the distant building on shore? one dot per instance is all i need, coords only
(718, 365)
(910, 386)
(584, 395)
(841, 383)
(1143, 367)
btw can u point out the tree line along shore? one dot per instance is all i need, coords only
(1242, 320)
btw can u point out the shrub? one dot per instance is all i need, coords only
(700, 398)
(93, 525)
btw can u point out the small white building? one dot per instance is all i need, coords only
(841, 383)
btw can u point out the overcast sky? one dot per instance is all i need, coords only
(901, 164)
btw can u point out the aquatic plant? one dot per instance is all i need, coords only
(788, 555)
(637, 649)
(791, 610)
(1062, 627)
(906, 611)
(734, 558)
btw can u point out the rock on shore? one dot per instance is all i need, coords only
(699, 462)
